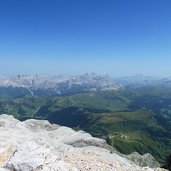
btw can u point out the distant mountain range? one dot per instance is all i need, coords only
(44, 85)
(57, 85)
(141, 80)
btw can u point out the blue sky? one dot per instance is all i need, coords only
(118, 37)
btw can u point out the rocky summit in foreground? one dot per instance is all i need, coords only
(35, 145)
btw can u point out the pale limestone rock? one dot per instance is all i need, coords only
(35, 145)
(143, 160)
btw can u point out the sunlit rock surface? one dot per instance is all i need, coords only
(35, 145)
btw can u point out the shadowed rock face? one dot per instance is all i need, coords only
(168, 163)
(143, 160)
(35, 145)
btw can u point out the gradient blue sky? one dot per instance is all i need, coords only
(118, 37)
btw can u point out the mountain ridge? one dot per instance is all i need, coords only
(44, 81)
(44, 85)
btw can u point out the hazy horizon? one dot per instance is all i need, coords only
(135, 76)
(119, 38)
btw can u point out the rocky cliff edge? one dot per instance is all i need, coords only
(35, 145)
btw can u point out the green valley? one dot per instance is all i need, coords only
(130, 119)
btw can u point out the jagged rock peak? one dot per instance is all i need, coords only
(86, 81)
(35, 145)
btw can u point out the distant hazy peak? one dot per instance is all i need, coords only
(86, 81)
